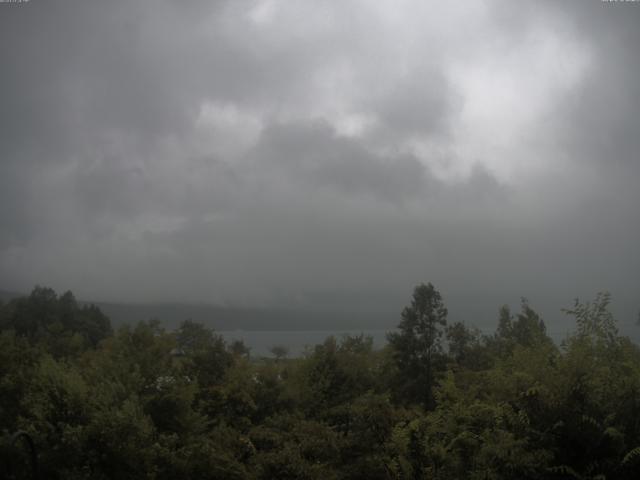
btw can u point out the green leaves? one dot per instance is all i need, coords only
(594, 320)
(417, 348)
(144, 402)
(59, 323)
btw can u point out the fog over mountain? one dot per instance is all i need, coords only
(322, 156)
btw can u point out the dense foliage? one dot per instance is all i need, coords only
(439, 401)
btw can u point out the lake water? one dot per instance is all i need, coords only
(260, 342)
(296, 341)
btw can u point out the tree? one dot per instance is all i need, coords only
(529, 329)
(417, 346)
(467, 347)
(239, 349)
(57, 321)
(594, 319)
(206, 351)
(505, 323)
(459, 338)
(279, 352)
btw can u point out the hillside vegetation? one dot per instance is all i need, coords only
(439, 401)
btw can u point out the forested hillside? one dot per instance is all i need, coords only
(440, 401)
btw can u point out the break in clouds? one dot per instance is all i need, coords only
(316, 153)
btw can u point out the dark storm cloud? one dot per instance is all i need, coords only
(256, 151)
(315, 155)
(606, 116)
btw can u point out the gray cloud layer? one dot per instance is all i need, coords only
(310, 153)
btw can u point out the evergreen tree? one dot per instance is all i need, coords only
(417, 346)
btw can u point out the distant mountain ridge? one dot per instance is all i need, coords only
(223, 318)
(333, 318)
(232, 318)
(6, 295)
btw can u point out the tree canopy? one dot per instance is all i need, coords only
(437, 402)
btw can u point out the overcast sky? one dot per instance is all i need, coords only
(321, 154)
